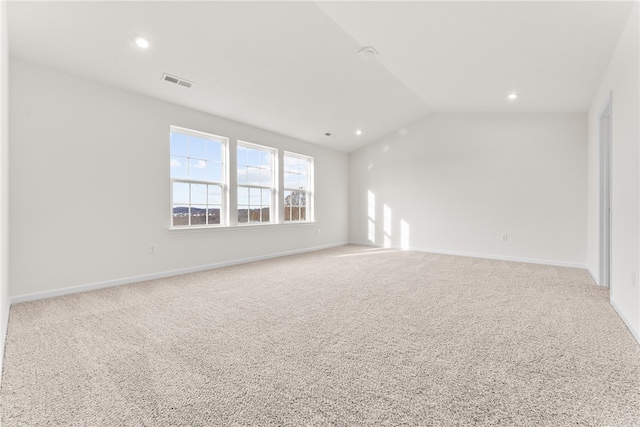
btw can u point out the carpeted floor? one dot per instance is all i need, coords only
(349, 336)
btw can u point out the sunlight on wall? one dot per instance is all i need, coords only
(404, 234)
(372, 216)
(387, 226)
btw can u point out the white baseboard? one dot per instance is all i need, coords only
(626, 321)
(116, 282)
(593, 276)
(486, 256)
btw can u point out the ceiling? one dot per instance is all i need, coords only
(293, 67)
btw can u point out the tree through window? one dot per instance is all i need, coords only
(298, 171)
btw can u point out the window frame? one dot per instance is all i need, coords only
(223, 184)
(275, 173)
(309, 192)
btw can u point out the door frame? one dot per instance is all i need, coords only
(605, 142)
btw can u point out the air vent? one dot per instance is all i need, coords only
(176, 80)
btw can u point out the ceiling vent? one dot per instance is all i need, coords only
(176, 80)
(330, 135)
(368, 52)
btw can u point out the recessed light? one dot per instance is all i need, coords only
(512, 96)
(142, 43)
(358, 132)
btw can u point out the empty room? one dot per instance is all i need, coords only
(331, 213)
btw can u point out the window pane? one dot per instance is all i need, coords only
(254, 214)
(198, 194)
(178, 167)
(180, 215)
(295, 198)
(243, 174)
(215, 195)
(213, 171)
(198, 215)
(265, 159)
(287, 213)
(303, 182)
(287, 180)
(180, 193)
(243, 213)
(242, 156)
(302, 165)
(255, 197)
(288, 163)
(287, 198)
(197, 169)
(265, 177)
(303, 214)
(266, 214)
(179, 144)
(213, 215)
(253, 176)
(243, 196)
(254, 157)
(214, 151)
(197, 147)
(266, 197)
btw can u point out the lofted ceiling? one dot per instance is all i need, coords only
(293, 67)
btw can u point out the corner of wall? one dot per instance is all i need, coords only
(4, 178)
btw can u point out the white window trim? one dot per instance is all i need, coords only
(310, 193)
(275, 173)
(224, 211)
(229, 186)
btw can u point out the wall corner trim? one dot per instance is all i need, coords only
(142, 278)
(626, 321)
(593, 277)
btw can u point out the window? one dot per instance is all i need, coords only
(198, 188)
(298, 171)
(256, 187)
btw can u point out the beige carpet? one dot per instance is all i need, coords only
(349, 336)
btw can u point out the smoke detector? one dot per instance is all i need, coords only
(368, 52)
(176, 80)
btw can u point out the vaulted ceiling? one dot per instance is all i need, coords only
(293, 67)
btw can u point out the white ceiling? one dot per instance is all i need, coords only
(293, 68)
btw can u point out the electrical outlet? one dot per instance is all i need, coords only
(633, 279)
(152, 249)
(318, 231)
(505, 237)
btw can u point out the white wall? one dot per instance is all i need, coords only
(4, 178)
(461, 181)
(621, 79)
(90, 187)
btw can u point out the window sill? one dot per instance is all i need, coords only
(241, 226)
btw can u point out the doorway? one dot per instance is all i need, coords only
(605, 194)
